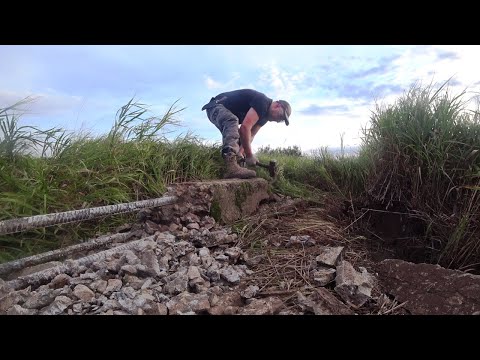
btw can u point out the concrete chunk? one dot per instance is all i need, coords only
(322, 302)
(353, 287)
(323, 276)
(330, 256)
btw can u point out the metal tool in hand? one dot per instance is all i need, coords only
(271, 167)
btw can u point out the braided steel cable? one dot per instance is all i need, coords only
(44, 276)
(27, 223)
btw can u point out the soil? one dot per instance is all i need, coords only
(269, 230)
(281, 241)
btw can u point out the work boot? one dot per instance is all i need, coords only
(236, 171)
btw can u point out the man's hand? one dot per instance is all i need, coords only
(251, 160)
(245, 130)
(241, 152)
(241, 159)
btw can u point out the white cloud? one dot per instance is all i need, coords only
(217, 85)
(425, 66)
(302, 75)
(314, 132)
(310, 132)
(284, 84)
(47, 103)
(212, 84)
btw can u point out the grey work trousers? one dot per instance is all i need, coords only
(227, 123)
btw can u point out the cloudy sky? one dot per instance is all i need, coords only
(332, 89)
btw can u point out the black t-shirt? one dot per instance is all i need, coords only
(240, 101)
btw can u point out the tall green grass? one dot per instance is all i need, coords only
(50, 171)
(423, 156)
(319, 171)
(298, 176)
(420, 155)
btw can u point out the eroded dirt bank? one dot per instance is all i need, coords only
(233, 247)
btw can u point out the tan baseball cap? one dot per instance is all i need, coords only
(287, 110)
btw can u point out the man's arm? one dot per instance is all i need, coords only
(253, 132)
(247, 130)
(255, 129)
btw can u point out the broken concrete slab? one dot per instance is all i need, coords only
(224, 304)
(322, 302)
(58, 306)
(186, 302)
(427, 289)
(250, 291)
(330, 256)
(18, 310)
(268, 306)
(323, 276)
(246, 195)
(225, 200)
(214, 238)
(60, 281)
(353, 287)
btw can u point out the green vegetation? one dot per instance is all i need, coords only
(241, 194)
(420, 156)
(321, 171)
(294, 151)
(423, 156)
(215, 210)
(51, 171)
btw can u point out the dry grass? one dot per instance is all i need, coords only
(282, 270)
(387, 306)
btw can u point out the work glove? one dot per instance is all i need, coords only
(251, 160)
